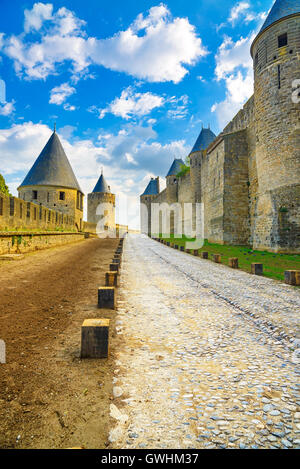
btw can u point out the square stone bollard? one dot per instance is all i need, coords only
(114, 267)
(116, 260)
(106, 297)
(175, 246)
(217, 258)
(292, 277)
(233, 262)
(95, 338)
(168, 243)
(204, 255)
(196, 252)
(257, 269)
(111, 279)
(188, 251)
(181, 248)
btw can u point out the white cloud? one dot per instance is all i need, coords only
(156, 47)
(180, 110)
(7, 108)
(234, 66)
(34, 18)
(131, 104)
(237, 11)
(59, 94)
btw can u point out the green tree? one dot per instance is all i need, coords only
(3, 186)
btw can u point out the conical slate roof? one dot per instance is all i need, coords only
(152, 188)
(281, 9)
(52, 167)
(175, 167)
(206, 136)
(101, 185)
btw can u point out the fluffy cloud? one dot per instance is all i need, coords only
(34, 18)
(7, 108)
(59, 94)
(237, 11)
(131, 104)
(155, 47)
(234, 66)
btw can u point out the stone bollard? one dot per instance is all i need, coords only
(94, 338)
(257, 269)
(116, 260)
(233, 262)
(106, 297)
(111, 279)
(114, 267)
(175, 246)
(181, 248)
(217, 258)
(196, 252)
(168, 243)
(292, 277)
(188, 251)
(204, 255)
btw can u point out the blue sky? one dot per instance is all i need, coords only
(129, 84)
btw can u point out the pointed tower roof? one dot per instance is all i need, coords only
(175, 167)
(281, 9)
(101, 185)
(52, 167)
(206, 136)
(152, 188)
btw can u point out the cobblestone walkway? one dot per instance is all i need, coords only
(208, 355)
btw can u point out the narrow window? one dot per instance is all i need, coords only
(34, 195)
(48, 197)
(11, 206)
(62, 196)
(21, 211)
(1, 206)
(34, 213)
(282, 40)
(28, 210)
(256, 60)
(278, 76)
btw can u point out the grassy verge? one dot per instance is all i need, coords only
(274, 264)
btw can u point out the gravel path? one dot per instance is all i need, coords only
(208, 356)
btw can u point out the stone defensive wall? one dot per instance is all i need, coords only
(16, 214)
(20, 242)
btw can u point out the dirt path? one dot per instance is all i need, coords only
(48, 396)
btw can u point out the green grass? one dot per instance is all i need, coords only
(274, 264)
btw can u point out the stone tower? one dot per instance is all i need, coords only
(150, 193)
(102, 195)
(51, 182)
(275, 52)
(172, 181)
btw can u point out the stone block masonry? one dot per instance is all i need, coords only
(292, 277)
(95, 338)
(22, 242)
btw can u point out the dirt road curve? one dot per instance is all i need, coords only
(48, 397)
(208, 355)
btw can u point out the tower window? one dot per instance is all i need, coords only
(48, 197)
(256, 60)
(282, 40)
(62, 196)
(278, 76)
(34, 195)
(1, 206)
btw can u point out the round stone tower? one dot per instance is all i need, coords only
(102, 202)
(275, 52)
(146, 199)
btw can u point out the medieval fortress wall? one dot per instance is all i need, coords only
(249, 177)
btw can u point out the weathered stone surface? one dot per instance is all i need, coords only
(111, 279)
(291, 277)
(95, 338)
(217, 258)
(106, 297)
(233, 262)
(256, 268)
